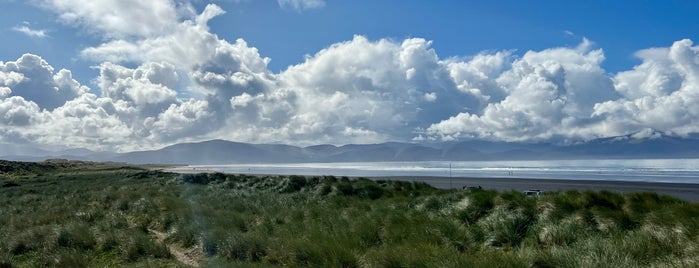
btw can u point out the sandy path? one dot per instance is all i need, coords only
(189, 257)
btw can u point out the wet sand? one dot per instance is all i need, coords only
(686, 191)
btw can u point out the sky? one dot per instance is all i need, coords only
(123, 75)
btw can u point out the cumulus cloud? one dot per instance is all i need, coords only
(16, 111)
(118, 18)
(300, 5)
(379, 86)
(661, 93)
(544, 95)
(147, 85)
(175, 80)
(34, 79)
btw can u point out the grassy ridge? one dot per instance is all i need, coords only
(127, 216)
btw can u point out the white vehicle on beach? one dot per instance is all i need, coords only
(532, 192)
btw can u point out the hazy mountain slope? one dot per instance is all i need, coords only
(215, 152)
(656, 145)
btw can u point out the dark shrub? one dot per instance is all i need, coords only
(295, 183)
(324, 189)
(200, 178)
(145, 175)
(370, 191)
(217, 177)
(313, 181)
(400, 186)
(330, 179)
(420, 185)
(603, 199)
(345, 188)
(627, 222)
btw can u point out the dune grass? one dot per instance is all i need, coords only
(133, 217)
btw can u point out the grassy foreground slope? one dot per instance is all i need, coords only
(77, 214)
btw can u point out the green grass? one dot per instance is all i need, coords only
(80, 214)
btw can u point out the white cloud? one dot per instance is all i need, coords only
(30, 32)
(430, 97)
(661, 93)
(362, 84)
(10, 78)
(147, 85)
(188, 119)
(176, 81)
(118, 18)
(4, 92)
(545, 95)
(33, 78)
(86, 120)
(16, 111)
(300, 5)
(211, 11)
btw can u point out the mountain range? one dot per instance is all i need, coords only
(227, 152)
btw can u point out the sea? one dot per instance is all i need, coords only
(637, 170)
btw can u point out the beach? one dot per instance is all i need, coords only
(685, 191)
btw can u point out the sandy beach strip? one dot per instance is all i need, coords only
(686, 191)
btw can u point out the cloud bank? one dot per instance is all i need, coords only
(169, 79)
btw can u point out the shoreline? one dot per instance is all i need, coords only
(684, 191)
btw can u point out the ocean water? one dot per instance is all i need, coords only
(648, 170)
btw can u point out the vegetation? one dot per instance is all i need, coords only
(80, 214)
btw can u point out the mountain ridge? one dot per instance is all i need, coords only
(218, 151)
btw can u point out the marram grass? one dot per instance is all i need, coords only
(107, 215)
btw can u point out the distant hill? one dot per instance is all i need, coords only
(216, 152)
(649, 145)
(657, 146)
(227, 152)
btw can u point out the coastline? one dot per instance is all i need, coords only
(685, 191)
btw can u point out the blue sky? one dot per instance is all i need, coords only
(458, 28)
(462, 28)
(168, 71)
